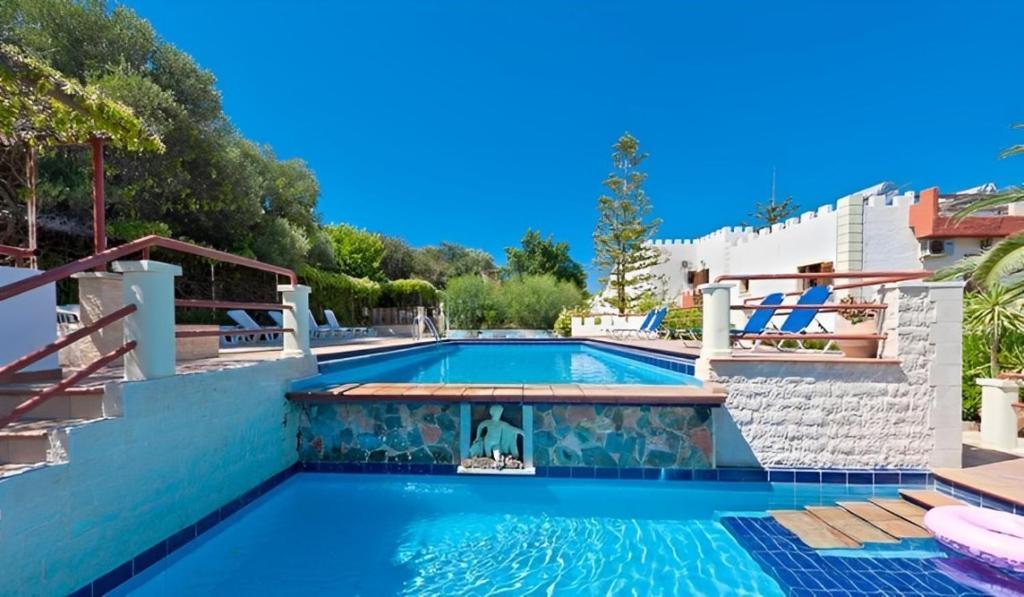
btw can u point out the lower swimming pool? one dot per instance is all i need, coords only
(510, 362)
(422, 535)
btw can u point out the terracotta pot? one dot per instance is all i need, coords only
(857, 348)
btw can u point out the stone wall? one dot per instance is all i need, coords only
(181, 447)
(903, 413)
(622, 436)
(415, 433)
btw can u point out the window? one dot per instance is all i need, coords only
(824, 267)
(696, 278)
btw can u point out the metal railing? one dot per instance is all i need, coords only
(429, 324)
(100, 261)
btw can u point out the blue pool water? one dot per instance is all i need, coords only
(512, 363)
(420, 535)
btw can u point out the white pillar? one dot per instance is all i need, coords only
(149, 285)
(296, 318)
(715, 342)
(998, 419)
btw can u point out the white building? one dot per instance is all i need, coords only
(875, 229)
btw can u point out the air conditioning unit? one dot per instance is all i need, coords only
(685, 265)
(936, 248)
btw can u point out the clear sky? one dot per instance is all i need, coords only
(472, 121)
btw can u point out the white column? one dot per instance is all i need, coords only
(998, 419)
(296, 318)
(149, 285)
(716, 300)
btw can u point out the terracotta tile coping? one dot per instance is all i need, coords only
(802, 358)
(710, 394)
(1001, 480)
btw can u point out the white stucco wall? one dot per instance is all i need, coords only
(889, 242)
(603, 325)
(30, 320)
(183, 446)
(837, 414)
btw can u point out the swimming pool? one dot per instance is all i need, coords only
(407, 534)
(538, 362)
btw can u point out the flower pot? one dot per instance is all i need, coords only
(857, 348)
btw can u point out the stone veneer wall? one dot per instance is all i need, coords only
(903, 414)
(576, 435)
(181, 447)
(622, 436)
(416, 433)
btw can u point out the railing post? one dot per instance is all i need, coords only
(297, 318)
(149, 285)
(715, 329)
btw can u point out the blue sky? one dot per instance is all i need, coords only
(473, 121)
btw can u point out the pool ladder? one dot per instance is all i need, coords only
(429, 323)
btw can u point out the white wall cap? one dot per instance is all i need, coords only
(1002, 384)
(146, 266)
(293, 288)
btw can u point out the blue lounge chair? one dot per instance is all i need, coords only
(800, 319)
(654, 325)
(757, 323)
(621, 332)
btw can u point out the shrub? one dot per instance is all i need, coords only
(129, 230)
(563, 325)
(350, 298)
(534, 302)
(684, 319)
(408, 293)
(471, 302)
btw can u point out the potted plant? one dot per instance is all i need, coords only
(857, 322)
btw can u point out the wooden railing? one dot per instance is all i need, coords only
(99, 261)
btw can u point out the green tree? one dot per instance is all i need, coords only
(358, 252)
(993, 313)
(539, 256)
(472, 303)
(398, 258)
(624, 228)
(773, 212)
(439, 264)
(534, 302)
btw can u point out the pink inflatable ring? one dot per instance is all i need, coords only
(994, 537)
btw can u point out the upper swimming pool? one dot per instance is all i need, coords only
(508, 363)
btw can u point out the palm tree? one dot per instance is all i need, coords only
(992, 313)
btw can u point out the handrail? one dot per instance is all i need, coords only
(430, 326)
(67, 382)
(206, 304)
(104, 257)
(830, 275)
(231, 332)
(18, 252)
(7, 371)
(836, 307)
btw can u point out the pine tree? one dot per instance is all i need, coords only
(624, 229)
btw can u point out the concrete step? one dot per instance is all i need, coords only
(885, 520)
(907, 511)
(74, 403)
(35, 441)
(812, 530)
(929, 498)
(852, 526)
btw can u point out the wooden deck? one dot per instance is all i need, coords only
(851, 524)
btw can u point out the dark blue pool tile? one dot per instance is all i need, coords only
(420, 469)
(679, 474)
(887, 478)
(837, 477)
(749, 475)
(559, 471)
(708, 474)
(860, 478)
(206, 523)
(913, 478)
(182, 537)
(443, 469)
(606, 472)
(540, 471)
(630, 472)
(375, 468)
(353, 467)
(652, 474)
(229, 508)
(776, 476)
(149, 557)
(808, 476)
(85, 591)
(398, 468)
(110, 580)
(582, 472)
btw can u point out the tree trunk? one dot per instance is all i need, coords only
(993, 355)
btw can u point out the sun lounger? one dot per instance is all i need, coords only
(621, 332)
(799, 320)
(337, 328)
(245, 322)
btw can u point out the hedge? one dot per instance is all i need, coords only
(408, 293)
(350, 298)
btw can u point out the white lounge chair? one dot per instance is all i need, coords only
(317, 330)
(247, 323)
(332, 321)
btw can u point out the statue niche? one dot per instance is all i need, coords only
(496, 443)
